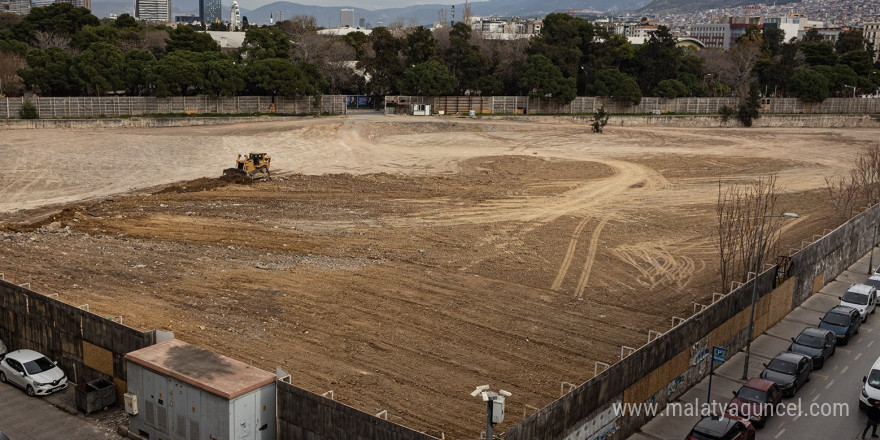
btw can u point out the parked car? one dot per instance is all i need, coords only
(755, 401)
(726, 427)
(871, 388)
(3, 436)
(860, 297)
(32, 372)
(819, 344)
(789, 370)
(3, 349)
(873, 281)
(843, 321)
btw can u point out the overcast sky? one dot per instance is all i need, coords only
(370, 4)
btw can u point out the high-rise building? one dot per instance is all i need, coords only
(362, 22)
(40, 3)
(152, 10)
(346, 18)
(234, 17)
(210, 11)
(20, 7)
(872, 34)
(712, 34)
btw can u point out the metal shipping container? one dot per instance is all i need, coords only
(184, 392)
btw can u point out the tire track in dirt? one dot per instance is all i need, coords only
(591, 257)
(569, 254)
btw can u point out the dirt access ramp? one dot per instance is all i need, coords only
(399, 261)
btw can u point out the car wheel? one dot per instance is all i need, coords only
(794, 389)
(2, 377)
(30, 391)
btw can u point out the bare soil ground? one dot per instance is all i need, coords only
(399, 262)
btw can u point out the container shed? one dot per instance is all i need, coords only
(183, 392)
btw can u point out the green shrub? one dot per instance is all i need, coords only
(28, 110)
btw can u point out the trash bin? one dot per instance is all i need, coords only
(95, 395)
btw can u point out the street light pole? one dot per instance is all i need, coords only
(755, 290)
(874, 241)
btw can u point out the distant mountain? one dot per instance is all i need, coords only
(682, 6)
(423, 14)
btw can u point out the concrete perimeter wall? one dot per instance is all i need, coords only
(661, 370)
(85, 345)
(305, 415)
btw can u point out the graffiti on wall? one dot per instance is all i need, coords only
(600, 427)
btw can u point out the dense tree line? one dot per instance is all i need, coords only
(61, 50)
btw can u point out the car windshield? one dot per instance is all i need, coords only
(809, 340)
(752, 395)
(872, 282)
(874, 379)
(781, 366)
(836, 319)
(855, 298)
(37, 366)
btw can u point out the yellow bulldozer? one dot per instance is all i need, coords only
(253, 165)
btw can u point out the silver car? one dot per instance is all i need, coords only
(32, 372)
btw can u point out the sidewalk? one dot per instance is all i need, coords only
(727, 378)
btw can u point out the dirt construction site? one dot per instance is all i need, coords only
(400, 261)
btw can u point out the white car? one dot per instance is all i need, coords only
(871, 388)
(860, 297)
(32, 372)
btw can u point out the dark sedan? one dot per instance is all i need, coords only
(819, 344)
(843, 321)
(789, 370)
(755, 401)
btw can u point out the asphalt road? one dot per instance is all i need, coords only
(34, 418)
(827, 407)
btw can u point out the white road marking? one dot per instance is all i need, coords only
(829, 384)
(846, 367)
(870, 343)
(779, 433)
(858, 356)
(815, 398)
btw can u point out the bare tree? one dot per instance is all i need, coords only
(740, 211)
(12, 84)
(848, 194)
(45, 40)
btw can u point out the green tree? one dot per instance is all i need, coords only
(464, 60)
(223, 77)
(810, 85)
(218, 26)
(277, 76)
(657, 59)
(126, 21)
(89, 35)
(62, 19)
(48, 72)
(99, 69)
(136, 71)
(818, 53)
(617, 85)
(264, 43)
(358, 41)
(850, 41)
(385, 65)
(748, 110)
(564, 40)
(859, 60)
(774, 39)
(430, 78)
(489, 85)
(420, 46)
(179, 73)
(28, 110)
(186, 38)
(671, 88)
(542, 78)
(812, 35)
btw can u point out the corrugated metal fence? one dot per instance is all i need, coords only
(589, 104)
(115, 106)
